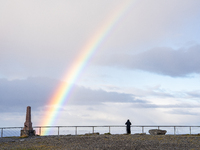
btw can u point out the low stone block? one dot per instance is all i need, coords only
(27, 133)
(157, 132)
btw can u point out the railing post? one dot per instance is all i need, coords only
(174, 130)
(142, 129)
(158, 127)
(190, 130)
(21, 129)
(40, 131)
(2, 132)
(109, 129)
(93, 129)
(58, 130)
(75, 130)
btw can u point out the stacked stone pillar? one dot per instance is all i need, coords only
(28, 129)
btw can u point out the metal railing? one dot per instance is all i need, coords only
(113, 129)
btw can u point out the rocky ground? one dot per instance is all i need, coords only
(103, 142)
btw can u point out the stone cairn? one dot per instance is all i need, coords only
(28, 129)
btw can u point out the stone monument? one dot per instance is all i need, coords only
(28, 129)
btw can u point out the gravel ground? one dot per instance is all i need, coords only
(103, 142)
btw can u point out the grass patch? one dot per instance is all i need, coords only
(107, 133)
(24, 136)
(11, 137)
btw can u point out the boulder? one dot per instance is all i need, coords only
(157, 132)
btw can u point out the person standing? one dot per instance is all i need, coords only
(128, 127)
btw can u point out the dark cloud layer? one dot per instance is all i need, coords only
(15, 95)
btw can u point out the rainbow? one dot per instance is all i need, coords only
(62, 92)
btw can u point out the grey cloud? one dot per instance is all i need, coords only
(15, 95)
(168, 61)
(161, 60)
(193, 94)
(86, 96)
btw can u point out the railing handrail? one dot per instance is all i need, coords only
(107, 126)
(102, 126)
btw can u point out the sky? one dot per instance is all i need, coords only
(146, 67)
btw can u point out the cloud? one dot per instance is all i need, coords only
(86, 96)
(168, 61)
(85, 104)
(40, 38)
(16, 95)
(161, 60)
(193, 94)
(43, 38)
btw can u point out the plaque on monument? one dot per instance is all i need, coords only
(28, 129)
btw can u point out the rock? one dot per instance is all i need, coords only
(157, 132)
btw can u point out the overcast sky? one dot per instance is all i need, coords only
(147, 69)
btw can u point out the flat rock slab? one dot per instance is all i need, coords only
(157, 132)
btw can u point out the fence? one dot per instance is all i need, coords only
(78, 130)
